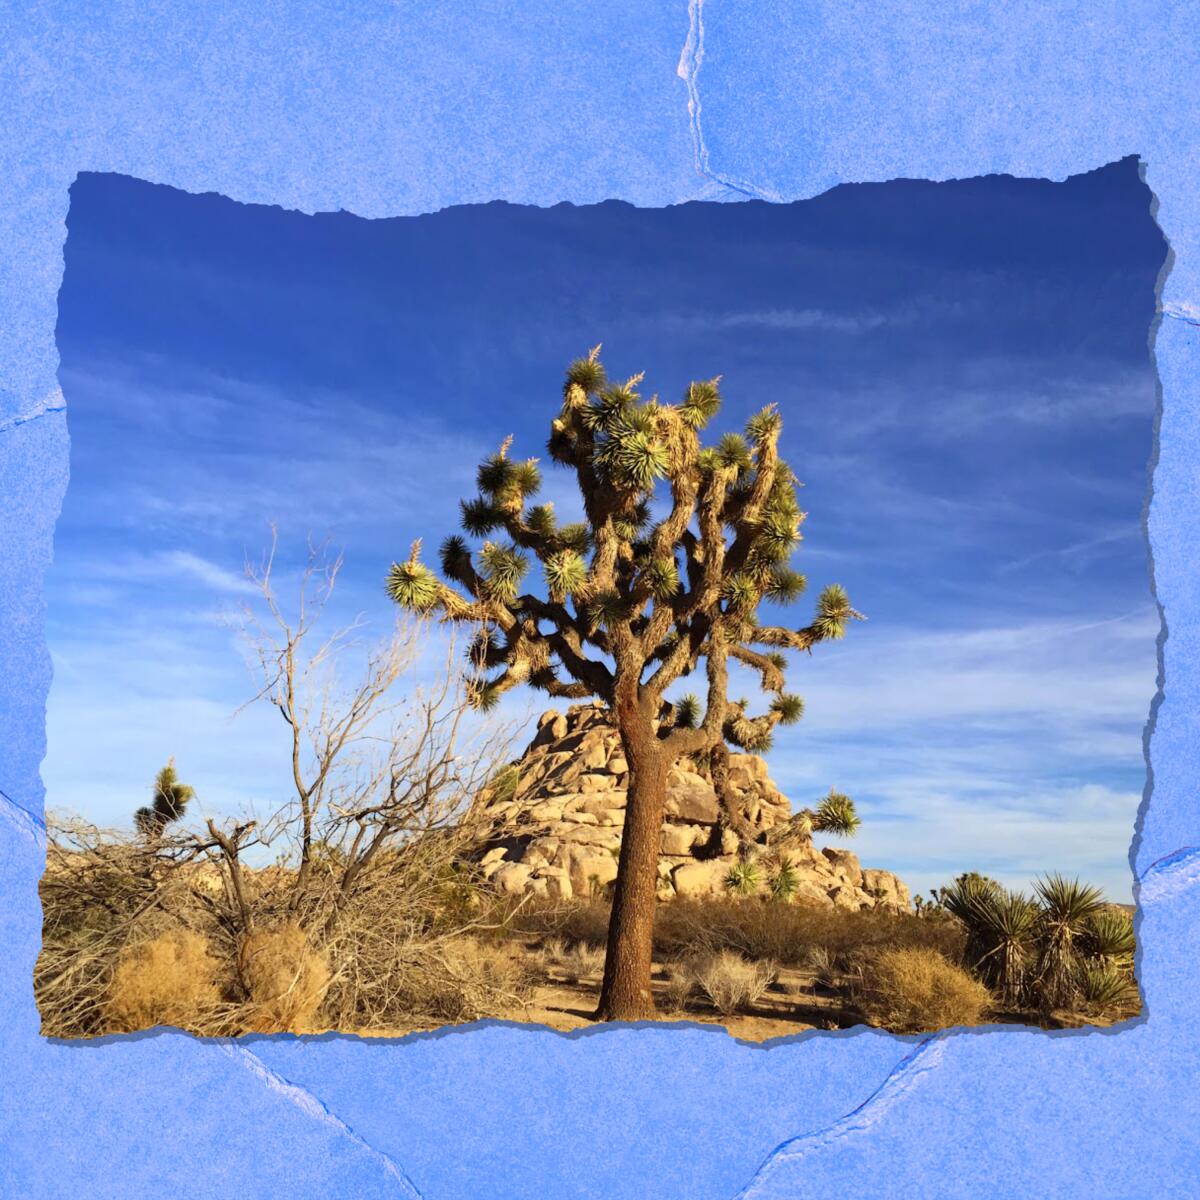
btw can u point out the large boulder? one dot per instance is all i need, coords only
(700, 880)
(845, 864)
(556, 831)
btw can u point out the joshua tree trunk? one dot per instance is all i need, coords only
(625, 994)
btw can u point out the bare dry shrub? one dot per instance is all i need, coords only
(575, 962)
(480, 980)
(169, 979)
(728, 981)
(679, 989)
(786, 933)
(285, 977)
(914, 989)
(780, 933)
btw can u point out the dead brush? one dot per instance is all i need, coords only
(679, 988)
(470, 980)
(285, 977)
(729, 982)
(913, 989)
(169, 979)
(574, 961)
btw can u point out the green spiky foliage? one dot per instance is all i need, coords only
(1003, 924)
(1106, 988)
(1059, 948)
(785, 880)
(627, 596)
(681, 547)
(959, 899)
(836, 814)
(169, 802)
(1068, 907)
(743, 879)
(687, 712)
(1108, 937)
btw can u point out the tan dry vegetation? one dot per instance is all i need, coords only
(912, 989)
(285, 977)
(168, 979)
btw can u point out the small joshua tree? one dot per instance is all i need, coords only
(169, 803)
(634, 601)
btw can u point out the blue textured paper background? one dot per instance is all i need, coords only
(388, 109)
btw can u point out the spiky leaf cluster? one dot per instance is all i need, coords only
(169, 801)
(680, 547)
(1060, 948)
(836, 814)
(743, 878)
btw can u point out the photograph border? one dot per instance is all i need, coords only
(401, 109)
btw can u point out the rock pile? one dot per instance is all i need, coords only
(555, 822)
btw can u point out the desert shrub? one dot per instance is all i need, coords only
(502, 787)
(785, 933)
(729, 982)
(575, 961)
(168, 979)
(679, 988)
(914, 989)
(743, 879)
(1107, 937)
(285, 977)
(784, 881)
(1001, 939)
(823, 964)
(1108, 990)
(469, 980)
(1043, 951)
(781, 933)
(582, 921)
(1067, 910)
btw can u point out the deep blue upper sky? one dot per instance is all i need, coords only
(968, 396)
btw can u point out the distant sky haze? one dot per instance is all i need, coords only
(968, 397)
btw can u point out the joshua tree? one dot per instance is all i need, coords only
(635, 598)
(170, 800)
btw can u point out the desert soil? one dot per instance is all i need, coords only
(794, 1002)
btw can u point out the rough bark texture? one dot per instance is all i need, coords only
(625, 994)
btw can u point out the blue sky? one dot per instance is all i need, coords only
(967, 392)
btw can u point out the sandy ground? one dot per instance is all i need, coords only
(794, 1002)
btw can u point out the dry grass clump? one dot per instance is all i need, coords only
(169, 979)
(285, 977)
(574, 961)
(913, 989)
(727, 981)
(470, 980)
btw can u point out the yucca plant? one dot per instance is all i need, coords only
(1107, 988)
(836, 814)
(170, 800)
(784, 882)
(683, 544)
(743, 879)
(959, 900)
(1067, 907)
(1004, 923)
(1108, 938)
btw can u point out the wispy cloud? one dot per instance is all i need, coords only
(795, 319)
